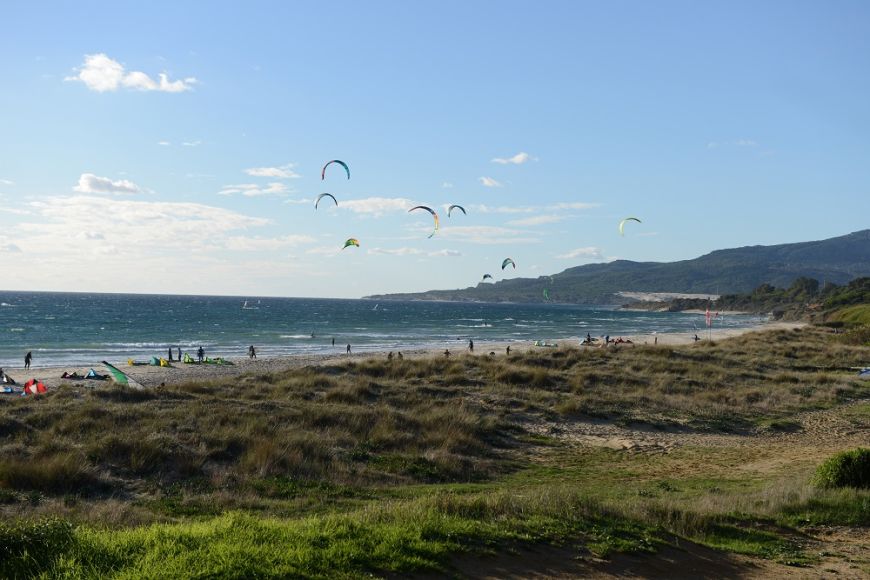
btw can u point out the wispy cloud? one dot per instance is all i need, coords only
(733, 143)
(489, 182)
(90, 183)
(255, 190)
(445, 254)
(102, 74)
(196, 143)
(394, 251)
(243, 243)
(447, 185)
(589, 252)
(574, 205)
(376, 206)
(164, 143)
(481, 208)
(517, 159)
(487, 235)
(7, 182)
(538, 220)
(280, 172)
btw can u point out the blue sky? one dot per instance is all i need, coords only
(176, 147)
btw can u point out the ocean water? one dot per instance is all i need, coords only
(82, 329)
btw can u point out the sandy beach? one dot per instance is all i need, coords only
(153, 376)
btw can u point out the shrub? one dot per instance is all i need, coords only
(845, 469)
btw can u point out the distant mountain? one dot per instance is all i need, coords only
(738, 270)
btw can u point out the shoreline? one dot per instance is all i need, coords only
(153, 376)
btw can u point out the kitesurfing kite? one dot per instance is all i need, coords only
(622, 224)
(485, 276)
(508, 261)
(452, 207)
(321, 196)
(340, 162)
(351, 242)
(434, 215)
(546, 295)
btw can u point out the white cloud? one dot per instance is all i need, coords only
(282, 172)
(376, 206)
(101, 74)
(489, 182)
(589, 252)
(447, 185)
(445, 253)
(538, 220)
(255, 190)
(90, 235)
(517, 159)
(139, 228)
(164, 143)
(7, 182)
(242, 243)
(490, 235)
(196, 143)
(14, 211)
(7, 247)
(90, 183)
(395, 251)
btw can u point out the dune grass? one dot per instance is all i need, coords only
(383, 465)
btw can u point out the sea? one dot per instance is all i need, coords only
(82, 329)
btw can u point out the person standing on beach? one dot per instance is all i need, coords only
(200, 354)
(252, 353)
(470, 345)
(348, 349)
(507, 350)
(333, 342)
(170, 354)
(179, 353)
(27, 358)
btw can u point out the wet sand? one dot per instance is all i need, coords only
(152, 376)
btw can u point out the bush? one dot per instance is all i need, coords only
(845, 469)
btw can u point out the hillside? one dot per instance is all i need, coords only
(732, 271)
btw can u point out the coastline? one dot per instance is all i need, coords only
(153, 376)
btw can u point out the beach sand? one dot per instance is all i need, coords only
(152, 376)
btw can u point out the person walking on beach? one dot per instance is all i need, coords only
(390, 356)
(200, 354)
(400, 355)
(27, 358)
(170, 354)
(348, 348)
(333, 342)
(252, 352)
(446, 353)
(470, 345)
(507, 350)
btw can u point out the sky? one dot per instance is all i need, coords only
(177, 147)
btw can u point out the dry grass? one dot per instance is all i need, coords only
(308, 436)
